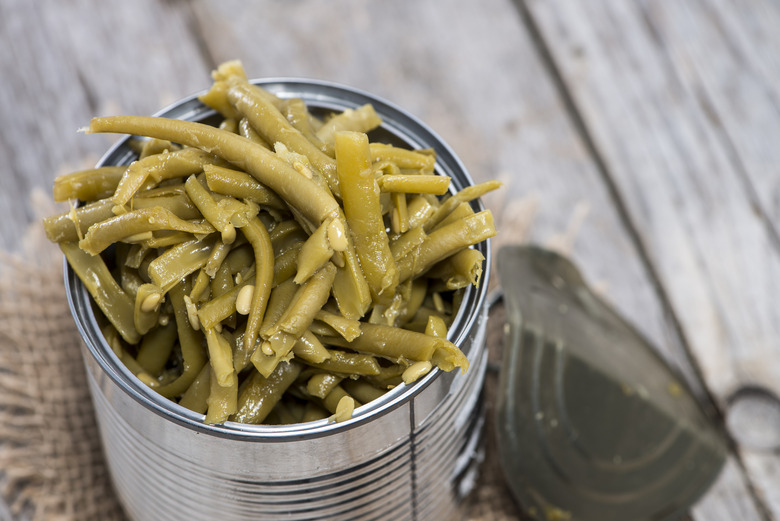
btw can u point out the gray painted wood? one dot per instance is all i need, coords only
(655, 148)
(679, 100)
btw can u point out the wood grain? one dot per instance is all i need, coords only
(68, 62)
(682, 181)
(636, 137)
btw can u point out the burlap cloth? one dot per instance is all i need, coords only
(51, 463)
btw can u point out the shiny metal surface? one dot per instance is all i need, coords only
(409, 455)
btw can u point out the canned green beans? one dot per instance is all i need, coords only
(387, 459)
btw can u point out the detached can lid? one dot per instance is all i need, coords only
(592, 424)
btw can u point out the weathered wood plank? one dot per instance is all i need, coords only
(674, 153)
(64, 63)
(489, 97)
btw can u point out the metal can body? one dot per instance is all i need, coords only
(408, 455)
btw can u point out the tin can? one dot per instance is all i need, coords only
(409, 455)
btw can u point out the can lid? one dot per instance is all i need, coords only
(592, 423)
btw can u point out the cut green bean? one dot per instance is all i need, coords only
(261, 394)
(159, 167)
(361, 207)
(192, 350)
(466, 195)
(179, 261)
(88, 185)
(195, 398)
(239, 184)
(222, 401)
(402, 157)
(302, 193)
(415, 184)
(258, 237)
(115, 304)
(346, 363)
(156, 347)
(446, 241)
(362, 119)
(274, 127)
(101, 235)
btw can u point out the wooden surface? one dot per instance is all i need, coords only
(640, 137)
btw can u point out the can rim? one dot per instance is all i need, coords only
(323, 95)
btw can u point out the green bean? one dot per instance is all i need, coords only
(309, 348)
(195, 398)
(350, 288)
(115, 304)
(332, 401)
(156, 347)
(412, 302)
(286, 234)
(399, 218)
(136, 257)
(349, 328)
(415, 184)
(179, 261)
(321, 384)
(406, 243)
(150, 147)
(297, 114)
(71, 226)
(147, 306)
(305, 195)
(219, 219)
(239, 184)
(436, 327)
(308, 300)
(399, 344)
(420, 209)
(192, 351)
(216, 258)
(348, 363)
(361, 206)
(280, 299)
(121, 227)
(467, 194)
(246, 130)
(164, 239)
(447, 240)
(314, 253)
(157, 168)
(258, 237)
(313, 412)
(222, 283)
(402, 157)
(461, 211)
(222, 401)
(460, 270)
(286, 263)
(220, 358)
(274, 127)
(362, 390)
(221, 306)
(261, 394)
(88, 185)
(277, 348)
(229, 124)
(239, 257)
(362, 119)
(130, 280)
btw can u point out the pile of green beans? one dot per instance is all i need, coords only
(278, 268)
